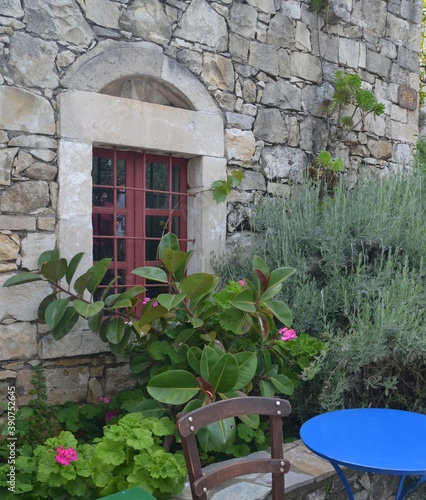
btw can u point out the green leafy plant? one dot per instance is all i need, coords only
(35, 422)
(221, 189)
(326, 171)
(61, 468)
(349, 105)
(318, 6)
(191, 345)
(131, 454)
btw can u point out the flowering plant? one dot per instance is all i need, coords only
(65, 456)
(129, 454)
(191, 345)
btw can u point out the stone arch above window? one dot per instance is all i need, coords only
(113, 63)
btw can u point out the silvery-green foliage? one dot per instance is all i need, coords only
(360, 283)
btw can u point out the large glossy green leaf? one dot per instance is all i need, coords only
(46, 256)
(130, 293)
(168, 241)
(281, 311)
(82, 281)
(270, 292)
(173, 260)
(72, 266)
(259, 263)
(139, 364)
(173, 387)
(118, 349)
(87, 309)
(267, 388)
(151, 273)
(196, 286)
(65, 324)
(150, 408)
(193, 405)
(54, 270)
(121, 304)
(193, 356)
(170, 300)
(224, 373)
(98, 272)
(114, 331)
(21, 278)
(54, 311)
(280, 274)
(182, 337)
(222, 433)
(208, 359)
(95, 322)
(247, 364)
(151, 313)
(181, 272)
(282, 384)
(244, 301)
(43, 306)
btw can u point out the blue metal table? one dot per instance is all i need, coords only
(371, 439)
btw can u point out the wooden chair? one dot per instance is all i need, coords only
(189, 423)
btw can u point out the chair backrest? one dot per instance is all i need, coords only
(189, 423)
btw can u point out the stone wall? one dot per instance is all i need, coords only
(266, 65)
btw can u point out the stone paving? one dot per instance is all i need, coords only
(310, 478)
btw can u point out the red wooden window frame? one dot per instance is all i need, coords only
(145, 220)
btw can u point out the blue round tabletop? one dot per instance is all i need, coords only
(374, 439)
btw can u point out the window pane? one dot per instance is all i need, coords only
(103, 171)
(155, 227)
(121, 250)
(175, 226)
(103, 224)
(157, 178)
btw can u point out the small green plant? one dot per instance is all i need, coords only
(326, 171)
(318, 6)
(221, 189)
(35, 422)
(349, 106)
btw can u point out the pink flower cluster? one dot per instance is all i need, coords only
(104, 399)
(147, 299)
(111, 414)
(65, 456)
(241, 282)
(287, 334)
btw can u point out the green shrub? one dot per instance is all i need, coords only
(360, 285)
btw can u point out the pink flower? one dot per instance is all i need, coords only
(145, 300)
(155, 304)
(287, 334)
(241, 282)
(65, 456)
(111, 414)
(104, 399)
